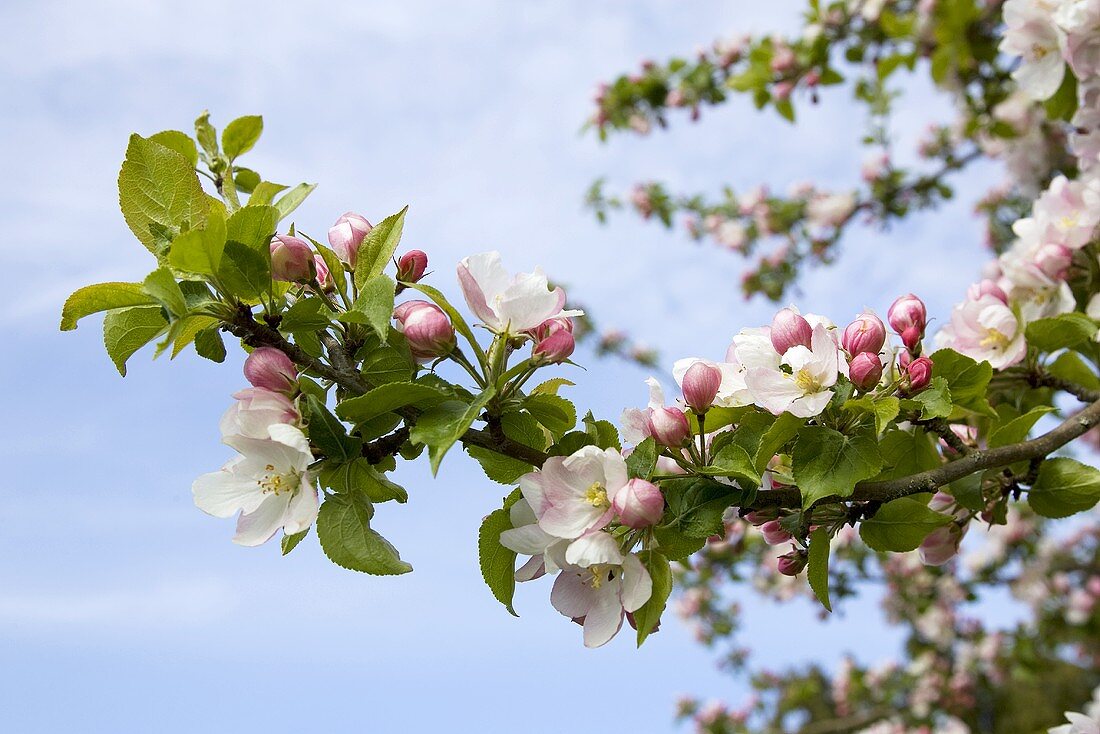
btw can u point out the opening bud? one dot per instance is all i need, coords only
(669, 426)
(427, 329)
(906, 312)
(866, 333)
(411, 266)
(700, 386)
(291, 259)
(638, 503)
(774, 533)
(347, 234)
(791, 564)
(555, 348)
(270, 369)
(789, 329)
(865, 370)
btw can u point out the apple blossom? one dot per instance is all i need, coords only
(602, 593)
(907, 311)
(774, 533)
(638, 503)
(324, 277)
(919, 374)
(554, 348)
(668, 426)
(411, 266)
(347, 234)
(830, 210)
(942, 544)
(790, 328)
(271, 369)
(256, 409)
(805, 390)
(1032, 35)
(528, 538)
(865, 370)
(572, 494)
(291, 259)
(985, 328)
(428, 330)
(269, 484)
(866, 333)
(508, 304)
(700, 385)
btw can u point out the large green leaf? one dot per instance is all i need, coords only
(343, 527)
(253, 226)
(1064, 487)
(901, 525)
(159, 193)
(1066, 331)
(647, 616)
(101, 297)
(1016, 430)
(827, 462)
(377, 248)
(128, 330)
(440, 427)
(498, 564)
(386, 398)
(967, 379)
(358, 475)
(199, 250)
(244, 271)
(329, 434)
(374, 306)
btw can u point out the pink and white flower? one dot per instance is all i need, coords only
(571, 495)
(985, 328)
(254, 413)
(505, 303)
(805, 390)
(1033, 36)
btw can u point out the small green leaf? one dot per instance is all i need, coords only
(907, 452)
(551, 386)
(648, 616)
(521, 427)
(179, 142)
(1016, 430)
(643, 459)
(159, 193)
(1064, 487)
(358, 475)
(386, 398)
(199, 250)
(187, 329)
(343, 527)
(290, 542)
(101, 297)
(818, 569)
(828, 463)
(207, 136)
(1070, 366)
(695, 506)
(933, 401)
(292, 199)
(386, 364)
(209, 345)
(1063, 103)
(554, 412)
(245, 272)
(329, 434)
(967, 379)
(374, 306)
(901, 525)
(785, 427)
(253, 226)
(498, 564)
(130, 329)
(240, 135)
(161, 285)
(264, 193)
(440, 427)
(377, 248)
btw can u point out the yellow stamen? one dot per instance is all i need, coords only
(994, 340)
(597, 496)
(806, 382)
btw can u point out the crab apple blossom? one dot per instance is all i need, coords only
(1032, 35)
(866, 333)
(269, 484)
(572, 494)
(638, 504)
(985, 328)
(271, 369)
(918, 374)
(291, 259)
(668, 426)
(942, 544)
(806, 389)
(830, 210)
(731, 391)
(347, 234)
(411, 266)
(527, 537)
(700, 385)
(428, 330)
(508, 304)
(906, 312)
(324, 277)
(256, 409)
(554, 348)
(865, 370)
(600, 595)
(789, 329)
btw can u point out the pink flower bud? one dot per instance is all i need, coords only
(865, 370)
(774, 534)
(669, 426)
(907, 311)
(759, 517)
(411, 266)
(866, 333)
(941, 501)
(551, 325)
(920, 374)
(324, 277)
(1054, 260)
(941, 545)
(911, 337)
(791, 564)
(700, 386)
(347, 234)
(987, 287)
(270, 369)
(291, 259)
(638, 503)
(555, 348)
(789, 329)
(427, 329)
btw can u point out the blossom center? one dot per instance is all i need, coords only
(805, 381)
(596, 495)
(275, 483)
(994, 340)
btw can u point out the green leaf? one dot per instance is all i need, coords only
(128, 330)
(161, 285)
(292, 199)
(551, 386)
(675, 545)
(1070, 366)
(187, 329)
(264, 193)
(828, 463)
(901, 525)
(907, 452)
(440, 427)
(498, 564)
(307, 314)
(159, 193)
(643, 459)
(179, 142)
(199, 250)
(245, 272)
(882, 409)
(358, 475)
(604, 433)
(246, 180)
(101, 297)
(552, 411)
(1068, 331)
(329, 434)
(818, 569)
(386, 364)
(521, 427)
(1064, 487)
(253, 226)
(732, 461)
(1016, 430)
(374, 306)
(695, 506)
(785, 427)
(1063, 103)
(240, 135)
(343, 527)
(209, 345)
(647, 616)
(290, 542)
(967, 379)
(387, 398)
(933, 401)
(453, 314)
(377, 248)
(207, 136)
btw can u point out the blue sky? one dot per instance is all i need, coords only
(123, 608)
